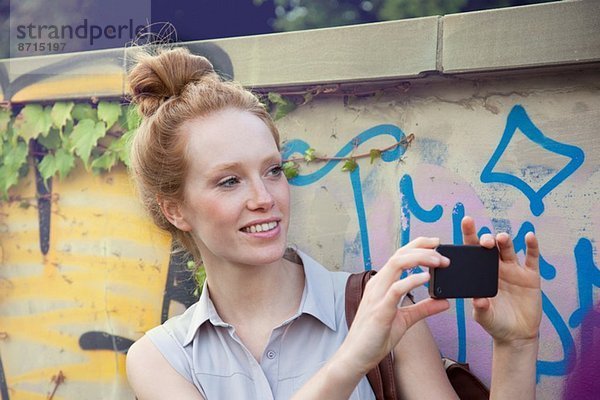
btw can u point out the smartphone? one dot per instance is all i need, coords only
(473, 272)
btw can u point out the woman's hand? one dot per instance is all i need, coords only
(514, 315)
(379, 323)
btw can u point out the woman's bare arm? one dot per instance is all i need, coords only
(151, 376)
(418, 366)
(379, 323)
(513, 316)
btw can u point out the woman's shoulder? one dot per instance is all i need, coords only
(168, 343)
(153, 376)
(176, 328)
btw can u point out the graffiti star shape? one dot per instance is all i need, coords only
(518, 119)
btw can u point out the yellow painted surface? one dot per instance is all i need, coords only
(105, 271)
(72, 86)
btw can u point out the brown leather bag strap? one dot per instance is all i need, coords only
(381, 377)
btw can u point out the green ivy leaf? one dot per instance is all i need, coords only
(13, 159)
(375, 154)
(33, 121)
(65, 162)
(17, 156)
(61, 113)
(281, 105)
(109, 112)
(85, 137)
(61, 161)
(199, 275)
(122, 147)
(349, 166)
(105, 162)
(309, 155)
(52, 141)
(8, 178)
(133, 118)
(290, 169)
(275, 98)
(84, 111)
(4, 120)
(47, 166)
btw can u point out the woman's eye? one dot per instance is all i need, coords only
(228, 182)
(276, 170)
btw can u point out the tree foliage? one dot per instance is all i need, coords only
(294, 15)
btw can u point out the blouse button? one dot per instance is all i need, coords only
(271, 354)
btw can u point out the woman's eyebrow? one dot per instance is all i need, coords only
(225, 167)
(276, 157)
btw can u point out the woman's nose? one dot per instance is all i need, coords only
(260, 197)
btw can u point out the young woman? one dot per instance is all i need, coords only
(270, 323)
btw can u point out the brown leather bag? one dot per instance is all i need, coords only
(381, 378)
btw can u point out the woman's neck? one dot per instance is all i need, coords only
(269, 292)
(256, 299)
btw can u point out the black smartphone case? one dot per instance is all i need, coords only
(473, 272)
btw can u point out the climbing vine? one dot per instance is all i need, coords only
(280, 105)
(55, 137)
(291, 166)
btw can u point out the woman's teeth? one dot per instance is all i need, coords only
(260, 227)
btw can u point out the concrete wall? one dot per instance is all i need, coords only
(505, 109)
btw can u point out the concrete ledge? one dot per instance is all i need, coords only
(565, 32)
(355, 53)
(549, 35)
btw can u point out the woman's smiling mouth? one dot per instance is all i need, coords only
(264, 227)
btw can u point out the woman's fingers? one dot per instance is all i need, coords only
(481, 304)
(480, 314)
(506, 248)
(470, 234)
(469, 231)
(407, 259)
(422, 242)
(423, 309)
(414, 312)
(532, 256)
(403, 286)
(487, 241)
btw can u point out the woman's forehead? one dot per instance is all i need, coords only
(228, 137)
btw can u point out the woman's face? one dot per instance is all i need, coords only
(236, 197)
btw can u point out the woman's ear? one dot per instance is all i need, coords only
(171, 209)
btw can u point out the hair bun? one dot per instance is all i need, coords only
(156, 78)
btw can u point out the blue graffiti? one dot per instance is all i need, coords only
(409, 203)
(548, 272)
(560, 367)
(362, 216)
(299, 146)
(458, 213)
(588, 274)
(518, 119)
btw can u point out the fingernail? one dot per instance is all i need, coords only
(445, 261)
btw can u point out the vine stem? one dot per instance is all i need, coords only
(58, 380)
(115, 134)
(404, 142)
(337, 90)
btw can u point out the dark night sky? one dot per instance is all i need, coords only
(210, 19)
